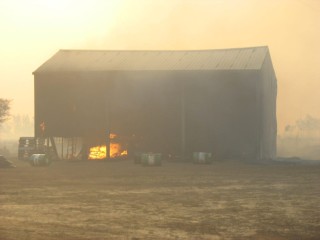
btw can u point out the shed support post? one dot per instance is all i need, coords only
(108, 144)
(62, 157)
(54, 147)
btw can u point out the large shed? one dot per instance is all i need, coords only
(177, 102)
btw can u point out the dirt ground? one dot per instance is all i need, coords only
(122, 200)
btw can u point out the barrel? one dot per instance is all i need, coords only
(202, 157)
(151, 159)
(39, 160)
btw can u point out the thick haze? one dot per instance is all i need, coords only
(32, 31)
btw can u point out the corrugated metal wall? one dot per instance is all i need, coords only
(220, 108)
(268, 110)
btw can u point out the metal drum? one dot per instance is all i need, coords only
(39, 160)
(202, 157)
(151, 159)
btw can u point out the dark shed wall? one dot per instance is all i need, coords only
(147, 105)
(71, 105)
(222, 113)
(144, 104)
(220, 108)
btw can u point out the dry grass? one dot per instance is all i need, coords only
(121, 200)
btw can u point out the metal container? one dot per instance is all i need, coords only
(151, 159)
(202, 157)
(39, 160)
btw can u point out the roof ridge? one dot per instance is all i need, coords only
(108, 60)
(160, 50)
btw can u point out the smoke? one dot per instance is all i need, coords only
(289, 28)
(301, 139)
(308, 124)
(17, 126)
(10, 132)
(31, 34)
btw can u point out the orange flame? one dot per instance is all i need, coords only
(100, 152)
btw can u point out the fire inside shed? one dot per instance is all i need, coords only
(108, 104)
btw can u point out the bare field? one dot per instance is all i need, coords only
(121, 200)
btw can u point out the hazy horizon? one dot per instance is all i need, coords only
(35, 30)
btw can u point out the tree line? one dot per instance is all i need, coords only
(13, 126)
(4, 109)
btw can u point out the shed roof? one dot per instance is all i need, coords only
(123, 60)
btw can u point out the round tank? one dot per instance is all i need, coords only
(151, 159)
(202, 157)
(39, 160)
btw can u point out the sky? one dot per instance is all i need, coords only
(32, 31)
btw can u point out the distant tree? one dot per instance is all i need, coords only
(4, 109)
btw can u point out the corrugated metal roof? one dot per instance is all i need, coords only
(101, 60)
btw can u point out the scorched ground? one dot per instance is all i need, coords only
(121, 200)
